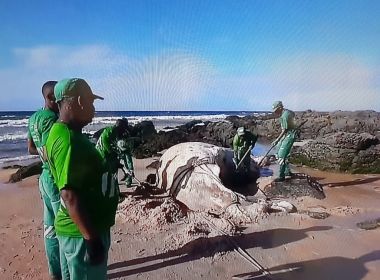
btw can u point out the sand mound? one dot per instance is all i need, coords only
(151, 213)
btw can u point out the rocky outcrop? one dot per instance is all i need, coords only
(345, 141)
(319, 124)
(348, 152)
(299, 185)
(216, 133)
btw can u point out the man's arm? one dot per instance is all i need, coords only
(79, 216)
(78, 213)
(282, 134)
(32, 147)
(235, 144)
(253, 139)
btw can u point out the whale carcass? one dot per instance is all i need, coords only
(202, 176)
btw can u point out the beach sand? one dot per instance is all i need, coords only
(290, 246)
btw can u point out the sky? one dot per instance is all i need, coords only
(194, 55)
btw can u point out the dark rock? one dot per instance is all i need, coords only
(295, 187)
(370, 224)
(342, 141)
(26, 171)
(145, 130)
(349, 152)
(315, 214)
(15, 166)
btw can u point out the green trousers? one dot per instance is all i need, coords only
(283, 152)
(51, 200)
(73, 263)
(128, 180)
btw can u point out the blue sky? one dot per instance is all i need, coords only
(195, 55)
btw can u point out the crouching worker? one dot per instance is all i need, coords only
(89, 194)
(125, 157)
(114, 148)
(243, 143)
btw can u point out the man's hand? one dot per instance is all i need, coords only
(95, 253)
(132, 173)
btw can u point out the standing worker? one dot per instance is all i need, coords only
(89, 194)
(285, 140)
(243, 143)
(113, 147)
(39, 127)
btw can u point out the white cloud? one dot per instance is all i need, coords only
(168, 81)
(306, 82)
(174, 80)
(327, 83)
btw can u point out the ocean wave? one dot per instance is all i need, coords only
(137, 119)
(19, 158)
(14, 123)
(12, 137)
(132, 119)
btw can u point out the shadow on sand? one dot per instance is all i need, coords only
(352, 183)
(332, 268)
(206, 247)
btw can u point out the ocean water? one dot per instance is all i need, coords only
(13, 127)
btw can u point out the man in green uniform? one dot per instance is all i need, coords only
(285, 140)
(89, 194)
(243, 143)
(39, 127)
(113, 147)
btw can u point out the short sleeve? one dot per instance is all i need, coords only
(285, 120)
(46, 126)
(104, 142)
(60, 157)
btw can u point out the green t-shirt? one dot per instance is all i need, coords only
(287, 120)
(110, 152)
(75, 163)
(39, 126)
(242, 143)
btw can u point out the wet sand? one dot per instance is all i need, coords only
(290, 246)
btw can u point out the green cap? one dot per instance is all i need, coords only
(276, 105)
(71, 88)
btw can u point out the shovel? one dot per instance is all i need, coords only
(246, 153)
(270, 149)
(133, 177)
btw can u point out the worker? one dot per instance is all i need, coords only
(39, 126)
(285, 140)
(114, 148)
(89, 193)
(243, 143)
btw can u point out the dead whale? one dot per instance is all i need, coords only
(200, 175)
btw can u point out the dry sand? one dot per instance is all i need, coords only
(154, 240)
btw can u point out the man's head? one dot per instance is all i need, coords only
(121, 126)
(76, 101)
(277, 107)
(241, 131)
(48, 94)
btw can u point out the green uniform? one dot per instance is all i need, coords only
(75, 163)
(39, 127)
(112, 154)
(285, 144)
(241, 144)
